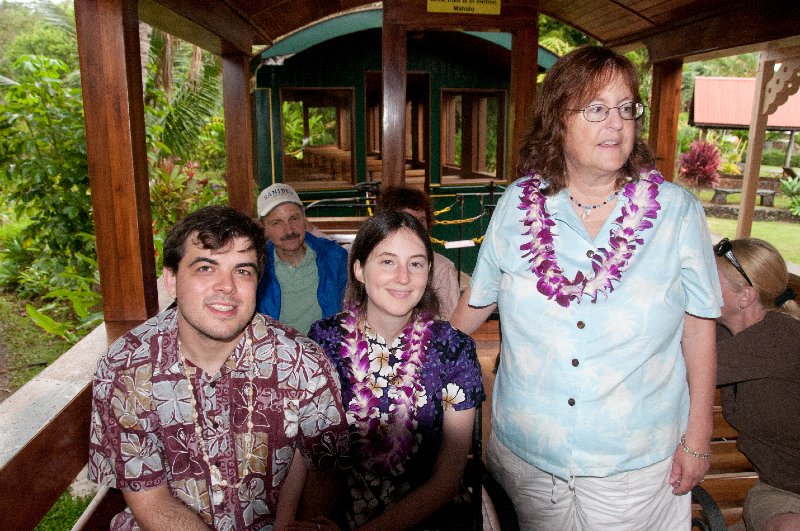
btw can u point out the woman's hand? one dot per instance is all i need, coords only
(687, 471)
(320, 523)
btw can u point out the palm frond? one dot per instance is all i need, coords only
(58, 16)
(7, 82)
(192, 108)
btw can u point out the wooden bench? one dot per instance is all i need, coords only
(731, 474)
(721, 196)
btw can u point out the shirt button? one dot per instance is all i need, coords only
(581, 325)
(213, 384)
(589, 253)
(216, 424)
(571, 401)
(575, 362)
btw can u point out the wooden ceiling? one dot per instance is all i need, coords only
(670, 29)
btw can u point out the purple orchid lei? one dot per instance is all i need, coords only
(387, 440)
(607, 264)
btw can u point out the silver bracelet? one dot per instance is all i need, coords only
(699, 455)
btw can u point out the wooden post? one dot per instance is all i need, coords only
(240, 174)
(394, 102)
(111, 77)
(772, 90)
(524, 69)
(665, 108)
(787, 162)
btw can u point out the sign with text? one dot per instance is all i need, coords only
(469, 7)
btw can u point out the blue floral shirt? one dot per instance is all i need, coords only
(595, 389)
(451, 377)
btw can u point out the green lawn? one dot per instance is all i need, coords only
(781, 201)
(784, 236)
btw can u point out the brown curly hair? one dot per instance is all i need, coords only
(571, 83)
(404, 197)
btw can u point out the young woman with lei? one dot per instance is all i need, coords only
(605, 281)
(410, 383)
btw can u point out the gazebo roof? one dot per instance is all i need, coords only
(671, 29)
(727, 103)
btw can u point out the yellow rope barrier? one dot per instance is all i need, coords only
(437, 241)
(457, 221)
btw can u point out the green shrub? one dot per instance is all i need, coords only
(790, 187)
(45, 179)
(773, 157)
(686, 133)
(64, 513)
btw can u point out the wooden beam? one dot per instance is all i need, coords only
(111, 77)
(394, 99)
(524, 69)
(736, 25)
(239, 141)
(666, 104)
(213, 26)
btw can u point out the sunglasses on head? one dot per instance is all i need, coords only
(725, 249)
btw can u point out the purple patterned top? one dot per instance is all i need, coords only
(143, 434)
(451, 370)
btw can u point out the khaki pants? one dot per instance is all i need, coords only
(764, 502)
(636, 500)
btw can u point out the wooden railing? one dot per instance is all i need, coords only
(44, 434)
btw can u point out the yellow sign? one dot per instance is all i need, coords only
(469, 7)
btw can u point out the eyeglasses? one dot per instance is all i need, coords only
(725, 248)
(597, 112)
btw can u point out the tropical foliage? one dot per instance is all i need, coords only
(699, 165)
(321, 127)
(731, 151)
(790, 187)
(49, 256)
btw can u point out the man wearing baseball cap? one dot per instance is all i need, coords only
(305, 276)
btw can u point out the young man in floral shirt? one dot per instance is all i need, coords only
(197, 413)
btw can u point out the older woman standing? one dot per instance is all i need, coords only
(759, 376)
(606, 285)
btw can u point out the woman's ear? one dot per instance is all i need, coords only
(747, 296)
(358, 271)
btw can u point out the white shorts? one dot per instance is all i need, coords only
(636, 500)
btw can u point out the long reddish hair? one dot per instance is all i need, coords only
(572, 83)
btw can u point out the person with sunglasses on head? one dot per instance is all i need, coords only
(758, 348)
(606, 286)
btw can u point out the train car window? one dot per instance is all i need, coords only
(317, 135)
(473, 134)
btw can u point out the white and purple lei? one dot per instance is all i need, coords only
(607, 264)
(387, 439)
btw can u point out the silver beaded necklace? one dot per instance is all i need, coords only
(586, 210)
(216, 474)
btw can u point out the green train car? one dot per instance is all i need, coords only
(318, 118)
